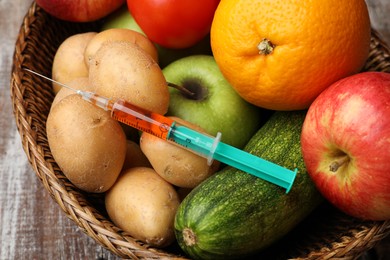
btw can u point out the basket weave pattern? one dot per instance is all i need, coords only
(326, 234)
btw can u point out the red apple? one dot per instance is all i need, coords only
(346, 145)
(79, 10)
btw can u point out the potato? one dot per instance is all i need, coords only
(174, 163)
(87, 144)
(119, 34)
(81, 83)
(135, 157)
(144, 205)
(124, 70)
(68, 62)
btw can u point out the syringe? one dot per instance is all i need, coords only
(204, 145)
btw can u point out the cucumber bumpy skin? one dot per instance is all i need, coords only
(233, 214)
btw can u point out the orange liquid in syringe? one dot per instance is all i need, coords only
(141, 119)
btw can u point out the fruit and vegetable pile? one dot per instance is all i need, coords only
(282, 81)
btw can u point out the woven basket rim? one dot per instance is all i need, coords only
(28, 105)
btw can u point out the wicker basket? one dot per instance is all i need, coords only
(325, 234)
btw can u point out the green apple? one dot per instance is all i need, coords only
(122, 18)
(214, 105)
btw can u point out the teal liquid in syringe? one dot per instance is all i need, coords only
(204, 145)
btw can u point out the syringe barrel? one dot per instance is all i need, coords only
(141, 119)
(164, 128)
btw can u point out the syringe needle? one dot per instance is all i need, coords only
(91, 97)
(43, 76)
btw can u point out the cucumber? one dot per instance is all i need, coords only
(233, 214)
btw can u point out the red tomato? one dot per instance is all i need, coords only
(174, 23)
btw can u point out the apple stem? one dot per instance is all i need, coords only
(334, 166)
(265, 47)
(181, 89)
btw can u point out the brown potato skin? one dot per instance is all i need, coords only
(68, 62)
(174, 163)
(124, 70)
(119, 34)
(87, 144)
(144, 205)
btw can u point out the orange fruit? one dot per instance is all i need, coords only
(281, 55)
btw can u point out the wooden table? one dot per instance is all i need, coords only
(32, 225)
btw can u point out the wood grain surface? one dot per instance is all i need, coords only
(32, 225)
